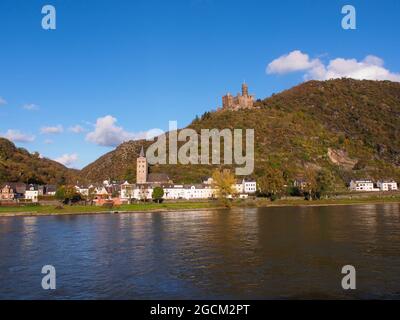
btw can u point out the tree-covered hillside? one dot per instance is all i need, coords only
(18, 165)
(348, 127)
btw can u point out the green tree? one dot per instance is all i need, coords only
(158, 194)
(91, 195)
(310, 187)
(272, 183)
(67, 194)
(224, 183)
(325, 183)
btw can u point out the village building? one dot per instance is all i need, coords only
(32, 193)
(7, 193)
(174, 192)
(158, 178)
(249, 186)
(389, 185)
(363, 185)
(82, 190)
(50, 189)
(245, 186)
(19, 190)
(12, 191)
(145, 184)
(100, 191)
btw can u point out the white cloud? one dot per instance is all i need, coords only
(30, 107)
(292, 62)
(77, 129)
(52, 130)
(370, 68)
(67, 159)
(2, 101)
(18, 136)
(106, 133)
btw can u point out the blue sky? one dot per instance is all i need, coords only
(142, 63)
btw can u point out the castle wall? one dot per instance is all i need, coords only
(241, 101)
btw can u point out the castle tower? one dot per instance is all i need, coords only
(141, 168)
(245, 90)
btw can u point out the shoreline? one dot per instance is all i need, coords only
(47, 214)
(205, 207)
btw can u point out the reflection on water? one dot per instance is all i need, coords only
(267, 253)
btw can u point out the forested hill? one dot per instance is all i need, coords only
(349, 128)
(19, 165)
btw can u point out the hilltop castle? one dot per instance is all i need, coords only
(241, 101)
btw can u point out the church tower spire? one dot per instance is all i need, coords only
(141, 168)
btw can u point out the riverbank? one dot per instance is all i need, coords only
(46, 210)
(76, 210)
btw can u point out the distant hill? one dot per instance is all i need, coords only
(349, 127)
(18, 165)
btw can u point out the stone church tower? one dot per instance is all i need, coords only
(141, 168)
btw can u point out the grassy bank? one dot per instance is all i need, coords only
(188, 205)
(137, 207)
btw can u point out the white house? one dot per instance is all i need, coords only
(249, 186)
(187, 192)
(362, 185)
(84, 191)
(387, 185)
(100, 191)
(126, 191)
(199, 192)
(132, 191)
(32, 194)
(172, 192)
(143, 192)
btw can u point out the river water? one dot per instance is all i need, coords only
(264, 253)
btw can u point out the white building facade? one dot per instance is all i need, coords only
(387, 185)
(176, 191)
(32, 194)
(363, 185)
